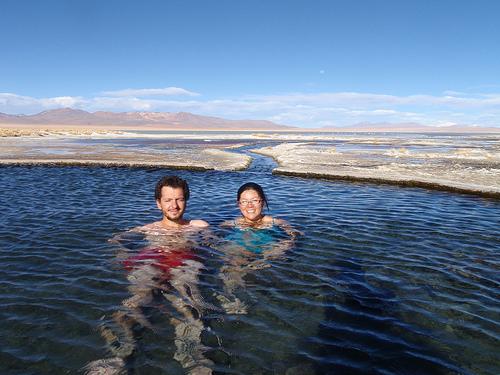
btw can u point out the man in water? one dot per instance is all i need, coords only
(172, 194)
(167, 265)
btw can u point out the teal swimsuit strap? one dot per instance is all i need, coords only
(272, 221)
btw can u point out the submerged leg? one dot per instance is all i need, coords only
(122, 343)
(189, 303)
(185, 282)
(232, 277)
(142, 283)
(108, 366)
(189, 350)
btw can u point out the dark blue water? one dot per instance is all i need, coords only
(384, 280)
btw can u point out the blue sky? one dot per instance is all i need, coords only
(304, 63)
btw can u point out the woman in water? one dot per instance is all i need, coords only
(254, 239)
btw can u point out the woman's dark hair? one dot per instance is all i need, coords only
(173, 182)
(255, 187)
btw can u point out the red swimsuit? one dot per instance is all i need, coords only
(163, 259)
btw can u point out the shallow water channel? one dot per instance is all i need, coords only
(383, 279)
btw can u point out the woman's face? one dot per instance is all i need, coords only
(251, 205)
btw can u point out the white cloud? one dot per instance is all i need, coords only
(300, 109)
(19, 104)
(63, 101)
(384, 112)
(454, 93)
(444, 124)
(370, 99)
(167, 91)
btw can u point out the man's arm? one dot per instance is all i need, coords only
(123, 238)
(199, 223)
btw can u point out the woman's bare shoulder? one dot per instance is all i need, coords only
(268, 219)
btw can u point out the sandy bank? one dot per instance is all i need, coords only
(20, 130)
(61, 151)
(466, 171)
(26, 131)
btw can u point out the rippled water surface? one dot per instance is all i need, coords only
(382, 280)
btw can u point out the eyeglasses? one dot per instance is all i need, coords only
(254, 202)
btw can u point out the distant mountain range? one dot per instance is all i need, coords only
(189, 121)
(411, 127)
(161, 120)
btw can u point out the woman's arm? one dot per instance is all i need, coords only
(228, 223)
(285, 225)
(283, 245)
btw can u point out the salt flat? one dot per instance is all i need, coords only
(63, 150)
(463, 168)
(458, 162)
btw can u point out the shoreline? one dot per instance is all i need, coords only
(382, 181)
(58, 163)
(101, 164)
(20, 130)
(302, 160)
(215, 160)
(469, 167)
(114, 151)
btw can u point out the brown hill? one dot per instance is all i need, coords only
(68, 117)
(160, 120)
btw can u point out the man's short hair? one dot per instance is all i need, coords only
(173, 182)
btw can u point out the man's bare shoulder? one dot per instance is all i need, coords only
(158, 226)
(198, 223)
